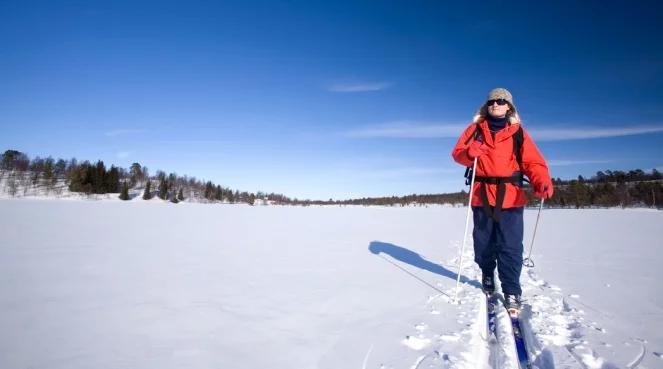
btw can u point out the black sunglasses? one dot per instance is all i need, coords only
(498, 101)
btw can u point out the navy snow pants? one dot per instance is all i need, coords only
(500, 244)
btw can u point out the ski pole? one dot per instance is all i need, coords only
(528, 262)
(467, 224)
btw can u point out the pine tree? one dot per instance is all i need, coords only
(147, 195)
(163, 189)
(49, 163)
(124, 194)
(59, 168)
(209, 190)
(218, 194)
(172, 178)
(135, 173)
(80, 179)
(99, 178)
(180, 195)
(112, 180)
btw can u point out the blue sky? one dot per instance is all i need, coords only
(328, 99)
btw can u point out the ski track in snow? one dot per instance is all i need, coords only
(553, 329)
(643, 351)
(368, 354)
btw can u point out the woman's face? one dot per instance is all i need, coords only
(496, 110)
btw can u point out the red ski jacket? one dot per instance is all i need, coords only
(500, 161)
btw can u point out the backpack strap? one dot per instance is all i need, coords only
(518, 139)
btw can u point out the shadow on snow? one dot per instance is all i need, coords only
(410, 257)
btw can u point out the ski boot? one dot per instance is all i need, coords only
(512, 304)
(488, 283)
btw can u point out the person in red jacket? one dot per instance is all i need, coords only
(505, 153)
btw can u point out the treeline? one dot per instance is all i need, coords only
(50, 175)
(635, 188)
(619, 176)
(447, 198)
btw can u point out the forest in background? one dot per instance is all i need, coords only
(19, 173)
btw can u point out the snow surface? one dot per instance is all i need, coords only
(149, 284)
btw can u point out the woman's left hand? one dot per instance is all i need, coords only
(543, 190)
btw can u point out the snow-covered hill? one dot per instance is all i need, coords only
(109, 284)
(21, 185)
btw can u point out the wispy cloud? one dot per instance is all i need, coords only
(359, 87)
(415, 129)
(408, 129)
(120, 132)
(564, 163)
(583, 133)
(194, 142)
(123, 154)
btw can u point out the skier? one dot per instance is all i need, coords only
(504, 153)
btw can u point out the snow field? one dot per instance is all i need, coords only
(107, 284)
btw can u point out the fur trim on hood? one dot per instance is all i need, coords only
(482, 114)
